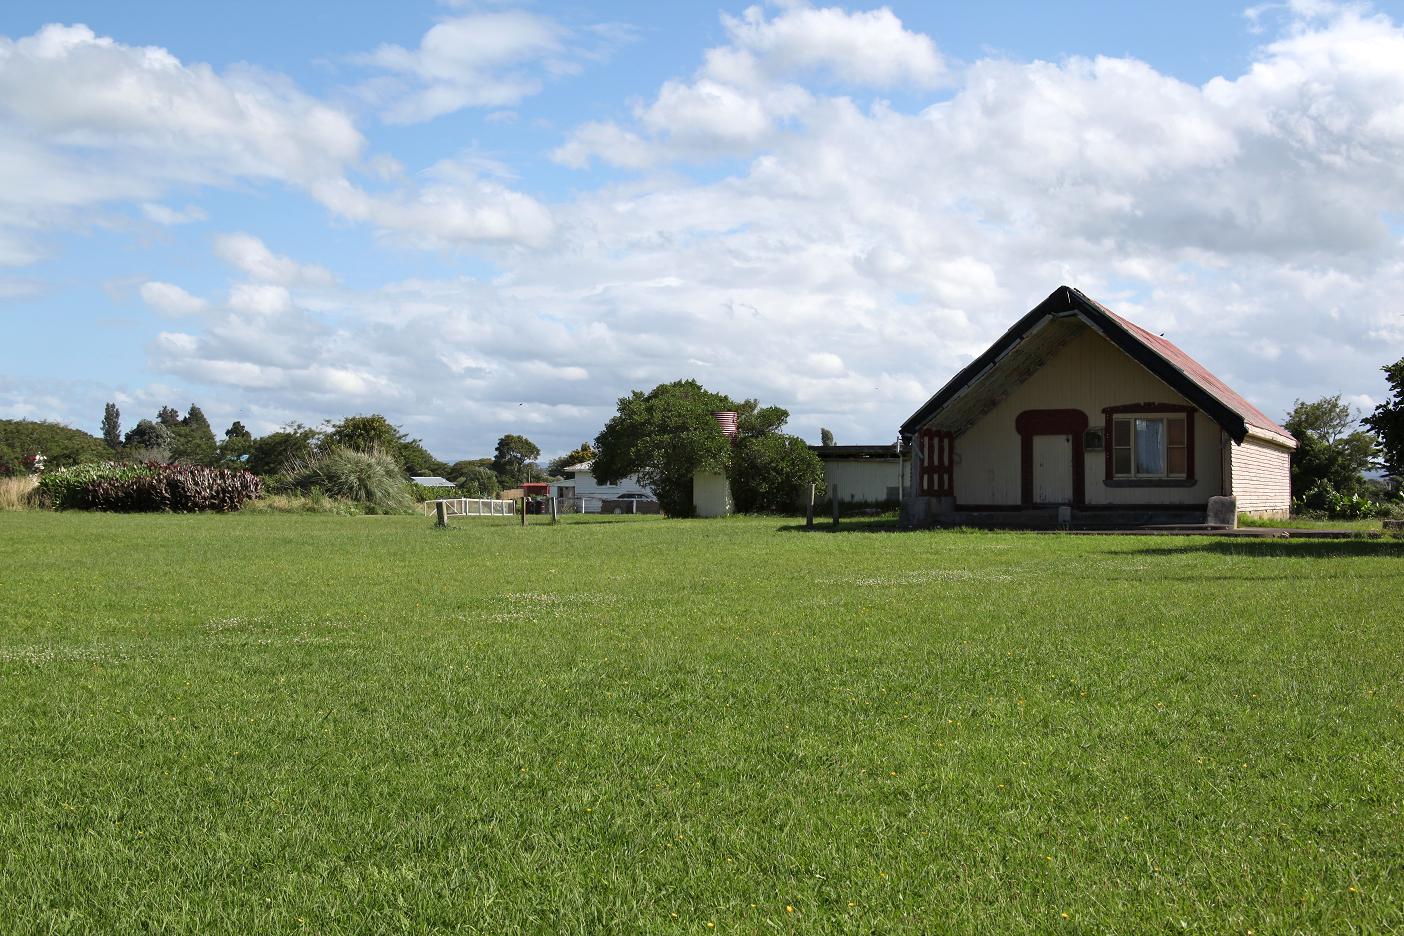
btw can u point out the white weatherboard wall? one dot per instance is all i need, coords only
(711, 495)
(1088, 373)
(1261, 478)
(587, 486)
(868, 480)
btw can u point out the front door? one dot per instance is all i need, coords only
(1052, 469)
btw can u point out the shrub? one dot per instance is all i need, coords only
(149, 487)
(1325, 499)
(373, 478)
(422, 494)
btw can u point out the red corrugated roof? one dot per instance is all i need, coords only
(1198, 373)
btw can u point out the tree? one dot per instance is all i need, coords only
(1387, 421)
(149, 440)
(376, 433)
(1326, 450)
(276, 451)
(61, 446)
(557, 466)
(192, 439)
(664, 437)
(514, 460)
(237, 430)
(364, 434)
(168, 416)
(826, 437)
(475, 480)
(768, 472)
(112, 426)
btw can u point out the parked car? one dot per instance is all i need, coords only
(630, 504)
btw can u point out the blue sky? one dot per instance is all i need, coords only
(489, 218)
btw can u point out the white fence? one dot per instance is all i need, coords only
(473, 507)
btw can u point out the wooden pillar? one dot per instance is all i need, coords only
(836, 506)
(809, 511)
(523, 510)
(441, 510)
(554, 518)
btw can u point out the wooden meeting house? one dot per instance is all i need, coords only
(1079, 409)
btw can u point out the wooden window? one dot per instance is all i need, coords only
(1150, 447)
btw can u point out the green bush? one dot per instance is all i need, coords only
(372, 479)
(1322, 498)
(422, 494)
(149, 487)
(67, 488)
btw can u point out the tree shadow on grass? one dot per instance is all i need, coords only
(1241, 548)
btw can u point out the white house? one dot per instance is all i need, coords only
(1078, 408)
(581, 483)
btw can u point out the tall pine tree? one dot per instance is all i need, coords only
(112, 426)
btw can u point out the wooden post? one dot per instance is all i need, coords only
(809, 511)
(441, 509)
(836, 506)
(523, 510)
(633, 506)
(554, 518)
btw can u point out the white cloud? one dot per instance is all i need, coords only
(451, 205)
(171, 299)
(253, 257)
(86, 121)
(862, 48)
(484, 59)
(168, 217)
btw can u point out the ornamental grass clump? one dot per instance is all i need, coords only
(371, 478)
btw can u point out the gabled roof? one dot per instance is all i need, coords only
(431, 481)
(1034, 338)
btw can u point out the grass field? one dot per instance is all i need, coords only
(328, 724)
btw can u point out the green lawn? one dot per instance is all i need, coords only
(324, 724)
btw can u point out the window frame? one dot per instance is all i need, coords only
(1164, 412)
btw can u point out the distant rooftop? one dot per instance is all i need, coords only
(432, 481)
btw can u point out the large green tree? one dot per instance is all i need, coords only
(1329, 449)
(148, 439)
(277, 451)
(192, 439)
(1387, 420)
(769, 470)
(664, 437)
(514, 460)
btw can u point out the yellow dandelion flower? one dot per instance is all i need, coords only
(790, 909)
(1063, 915)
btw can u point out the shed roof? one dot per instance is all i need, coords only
(837, 452)
(431, 481)
(1046, 328)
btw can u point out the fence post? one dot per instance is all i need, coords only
(836, 506)
(441, 509)
(554, 518)
(809, 511)
(523, 510)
